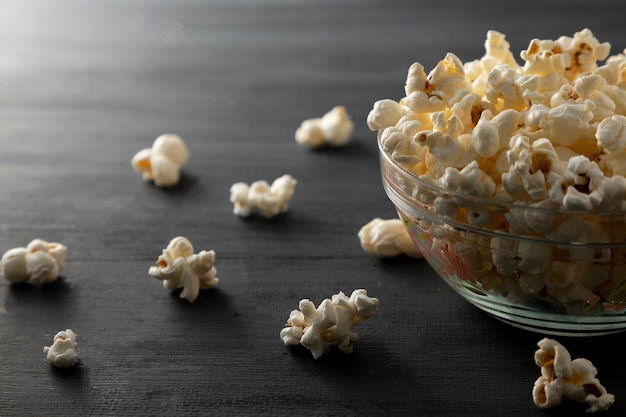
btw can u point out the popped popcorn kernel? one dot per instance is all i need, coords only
(162, 162)
(40, 262)
(563, 378)
(262, 198)
(62, 353)
(387, 238)
(310, 133)
(384, 114)
(331, 322)
(179, 267)
(334, 129)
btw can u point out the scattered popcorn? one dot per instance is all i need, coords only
(545, 138)
(162, 163)
(331, 322)
(387, 238)
(310, 133)
(564, 378)
(262, 198)
(334, 129)
(179, 267)
(62, 353)
(40, 262)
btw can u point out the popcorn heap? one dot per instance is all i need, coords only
(334, 129)
(387, 238)
(548, 138)
(561, 377)
(551, 132)
(331, 322)
(162, 162)
(62, 353)
(179, 267)
(39, 262)
(260, 197)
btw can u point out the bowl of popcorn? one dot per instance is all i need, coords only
(511, 179)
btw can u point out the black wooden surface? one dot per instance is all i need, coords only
(86, 84)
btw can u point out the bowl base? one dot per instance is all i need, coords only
(542, 321)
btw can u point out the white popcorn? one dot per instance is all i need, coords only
(615, 163)
(384, 114)
(334, 128)
(525, 178)
(543, 137)
(536, 117)
(534, 258)
(485, 137)
(584, 50)
(585, 186)
(540, 216)
(398, 144)
(337, 126)
(496, 53)
(310, 133)
(611, 133)
(331, 322)
(468, 110)
(62, 353)
(502, 89)
(448, 80)
(416, 80)
(262, 198)
(471, 180)
(40, 262)
(444, 86)
(443, 147)
(568, 123)
(564, 378)
(179, 267)
(162, 163)
(387, 238)
(591, 87)
(504, 255)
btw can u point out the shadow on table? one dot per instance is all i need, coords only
(54, 294)
(186, 183)
(73, 377)
(209, 298)
(368, 372)
(356, 148)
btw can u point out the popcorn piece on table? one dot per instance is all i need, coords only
(333, 128)
(162, 163)
(62, 353)
(564, 378)
(179, 267)
(262, 198)
(331, 322)
(387, 238)
(39, 262)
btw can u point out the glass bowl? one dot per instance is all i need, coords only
(564, 275)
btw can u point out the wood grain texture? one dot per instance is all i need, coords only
(85, 85)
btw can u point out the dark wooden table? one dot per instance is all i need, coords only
(86, 84)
